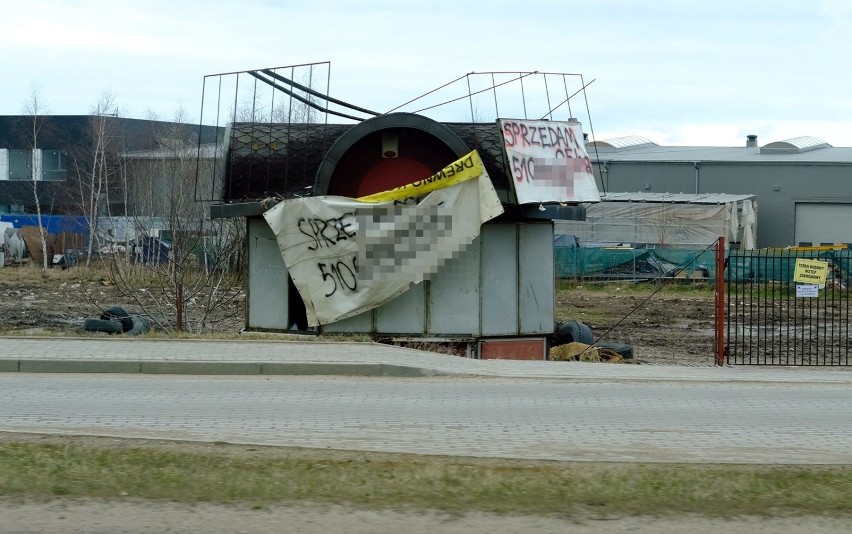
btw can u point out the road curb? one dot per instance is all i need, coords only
(213, 368)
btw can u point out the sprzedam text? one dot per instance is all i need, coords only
(557, 141)
(326, 233)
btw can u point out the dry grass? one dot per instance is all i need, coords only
(132, 469)
(576, 351)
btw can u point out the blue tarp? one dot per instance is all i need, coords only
(54, 224)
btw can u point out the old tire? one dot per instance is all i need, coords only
(570, 331)
(584, 333)
(102, 325)
(117, 313)
(141, 325)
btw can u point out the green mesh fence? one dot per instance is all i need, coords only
(778, 265)
(629, 264)
(759, 265)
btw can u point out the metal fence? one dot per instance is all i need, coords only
(772, 317)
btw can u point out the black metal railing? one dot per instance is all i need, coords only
(773, 319)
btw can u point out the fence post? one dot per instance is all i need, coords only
(719, 315)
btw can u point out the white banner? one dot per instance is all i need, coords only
(346, 257)
(548, 161)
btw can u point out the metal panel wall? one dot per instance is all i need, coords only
(454, 295)
(823, 223)
(406, 314)
(501, 285)
(267, 280)
(499, 280)
(357, 324)
(536, 291)
(778, 187)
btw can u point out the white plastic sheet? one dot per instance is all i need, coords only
(665, 223)
(346, 257)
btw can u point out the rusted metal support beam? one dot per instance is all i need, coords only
(719, 314)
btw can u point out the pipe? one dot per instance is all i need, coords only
(695, 164)
(310, 91)
(302, 99)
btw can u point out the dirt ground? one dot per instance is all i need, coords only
(672, 327)
(94, 517)
(57, 302)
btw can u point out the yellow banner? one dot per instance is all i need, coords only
(465, 168)
(810, 271)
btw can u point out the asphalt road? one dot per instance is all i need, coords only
(648, 421)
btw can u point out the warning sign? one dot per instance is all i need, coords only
(807, 290)
(810, 271)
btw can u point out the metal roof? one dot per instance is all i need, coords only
(795, 145)
(282, 159)
(622, 143)
(679, 198)
(824, 154)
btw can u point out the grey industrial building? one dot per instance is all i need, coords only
(66, 147)
(803, 185)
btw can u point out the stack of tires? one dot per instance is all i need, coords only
(116, 320)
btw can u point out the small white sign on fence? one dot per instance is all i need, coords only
(807, 290)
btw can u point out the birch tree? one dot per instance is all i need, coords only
(95, 165)
(35, 108)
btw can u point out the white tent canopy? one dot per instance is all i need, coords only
(666, 219)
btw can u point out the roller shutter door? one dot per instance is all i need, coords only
(823, 223)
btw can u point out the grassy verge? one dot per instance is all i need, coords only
(699, 288)
(258, 476)
(588, 315)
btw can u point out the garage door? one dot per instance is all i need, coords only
(823, 223)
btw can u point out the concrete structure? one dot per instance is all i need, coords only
(802, 185)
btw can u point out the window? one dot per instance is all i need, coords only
(53, 165)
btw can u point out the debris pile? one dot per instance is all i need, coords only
(115, 320)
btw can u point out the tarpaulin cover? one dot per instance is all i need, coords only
(665, 223)
(630, 263)
(346, 256)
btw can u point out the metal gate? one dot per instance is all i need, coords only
(770, 318)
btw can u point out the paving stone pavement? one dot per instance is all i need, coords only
(457, 406)
(527, 418)
(267, 357)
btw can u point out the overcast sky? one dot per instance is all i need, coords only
(678, 72)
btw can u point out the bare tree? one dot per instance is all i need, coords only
(35, 108)
(97, 167)
(182, 273)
